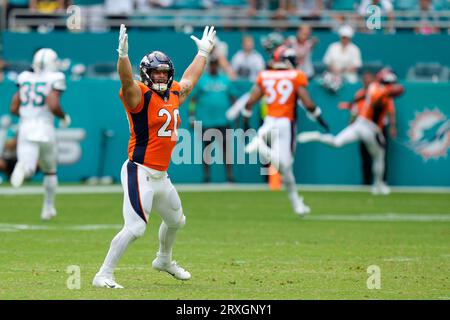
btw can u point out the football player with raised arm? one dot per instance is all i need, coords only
(377, 104)
(152, 108)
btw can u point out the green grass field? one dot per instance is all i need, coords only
(237, 245)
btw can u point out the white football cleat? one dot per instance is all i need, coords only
(18, 175)
(253, 145)
(302, 209)
(308, 136)
(48, 213)
(171, 268)
(108, 282)
(381, 189)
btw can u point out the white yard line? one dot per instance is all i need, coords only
(365, 217)
(382, 217)
(11, 227)
(215, 187)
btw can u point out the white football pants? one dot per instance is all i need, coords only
(146, 189)
(32, 153)
(280, 134)
(367, 132)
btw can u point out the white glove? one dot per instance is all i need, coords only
(123, 42)
(65, 122)
(314, 114)
(205, 45)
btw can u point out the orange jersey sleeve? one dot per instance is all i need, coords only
(301, 80)
(139, 107)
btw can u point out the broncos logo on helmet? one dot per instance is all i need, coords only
(283, 58)
(156, 60)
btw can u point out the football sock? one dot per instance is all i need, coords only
(166, 239)
(378, 169)
(118, 246)
(50, 184)
(291, 188)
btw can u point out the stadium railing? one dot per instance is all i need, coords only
(230, 18)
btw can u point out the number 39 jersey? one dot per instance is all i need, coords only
(280, 89)
(34, 89)
(154, 127)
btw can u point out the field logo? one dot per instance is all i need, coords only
(429, 134)
(74, 280)
(374, 280)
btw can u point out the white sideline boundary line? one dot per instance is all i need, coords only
(215, 187)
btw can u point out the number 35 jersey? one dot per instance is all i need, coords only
(154, 127)
(34, 89)
(280, 90)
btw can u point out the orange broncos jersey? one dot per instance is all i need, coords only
(280, 90)
(153, 127)
(376, 104)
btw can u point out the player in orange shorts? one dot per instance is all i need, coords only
(152, 108)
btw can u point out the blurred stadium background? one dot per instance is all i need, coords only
(413, 39)
(236, 245)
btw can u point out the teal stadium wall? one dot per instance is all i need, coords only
(94, 105)
(400, 50)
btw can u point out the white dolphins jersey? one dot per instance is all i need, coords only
(36, 119)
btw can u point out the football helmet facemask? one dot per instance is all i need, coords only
(156, 60)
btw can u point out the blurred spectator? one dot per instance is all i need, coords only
(303, 44)
(220, 53)
(278, 6)
(119, 8)
(146, 5)
(160, 3)
(211, 98)
(272, 41)
(343, 58)
(247, 62)
(426, 18)
(47, 6)
(309, 9)
(45, 10)
(117, 12)
(406, 4)
(93, 14)
(387, 9)
(16, 4)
